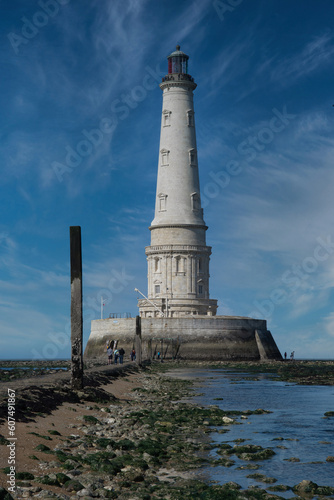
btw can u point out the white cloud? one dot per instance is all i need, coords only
(316, 123)
(302, 303)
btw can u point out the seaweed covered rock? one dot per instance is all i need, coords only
(246, 452)
(306, 487)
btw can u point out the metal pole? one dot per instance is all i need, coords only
(76, 308)
(150, 301)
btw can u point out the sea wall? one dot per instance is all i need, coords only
(197, 338)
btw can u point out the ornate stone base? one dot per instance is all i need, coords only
(178, 275)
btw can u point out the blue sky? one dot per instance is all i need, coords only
(79, 140)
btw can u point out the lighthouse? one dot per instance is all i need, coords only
(178, 257)
(177, 315)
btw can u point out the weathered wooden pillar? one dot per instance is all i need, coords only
(149, 348)
(76, 308)
(138, 341)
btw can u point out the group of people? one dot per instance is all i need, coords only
(292, 355)
(117, 354)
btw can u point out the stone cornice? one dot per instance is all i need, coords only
(183, 226)
(167, 85)
(178, 80)
(177, 249)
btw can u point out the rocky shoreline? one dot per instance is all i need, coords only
(131, 434)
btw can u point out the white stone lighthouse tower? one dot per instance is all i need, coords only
(178, 258)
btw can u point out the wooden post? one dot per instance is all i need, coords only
(138, 341)
(149, 348)
(76, 308)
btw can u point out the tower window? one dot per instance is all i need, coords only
(164, 157)
(200, 265)
(179, 264)
(157, 289)
(195, 202)
(166, 118)
(190, 118)
(200, 289)
(162, 202)
(157, 265)
(192, 157)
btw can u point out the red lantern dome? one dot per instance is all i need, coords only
(178, 62)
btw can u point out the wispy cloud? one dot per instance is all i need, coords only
(228, 65)
(273, 228)
(316, 54)
(304, 303)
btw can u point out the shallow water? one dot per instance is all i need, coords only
(297, 417)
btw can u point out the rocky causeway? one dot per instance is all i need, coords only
(134, 433)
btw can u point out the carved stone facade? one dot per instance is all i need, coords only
(178, 281)
(178, 258)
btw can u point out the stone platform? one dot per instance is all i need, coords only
(215, 338)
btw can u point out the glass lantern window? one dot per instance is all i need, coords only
(178, 64)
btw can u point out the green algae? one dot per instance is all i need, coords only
(262, 478)
(44, 448)
(24, 476)
(50, 481)
(73, 485)
(246, 452)
(90, 419)
(279, 487)
(48, 438)
(3, 440)
(101, 461)
(125, 444)
(225, 462)
(103, 443)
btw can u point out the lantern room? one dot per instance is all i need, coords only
(178, 62)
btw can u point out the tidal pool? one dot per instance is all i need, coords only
(297, 419)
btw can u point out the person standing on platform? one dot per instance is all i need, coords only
(116, 353)
(121, 353)
(109, 353)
